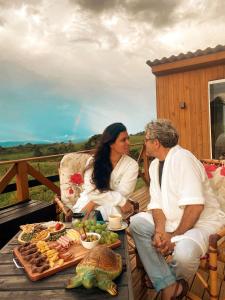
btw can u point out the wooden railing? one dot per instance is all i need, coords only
(22, 168)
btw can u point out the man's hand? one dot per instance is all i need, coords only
(157, 240)
(162, 242)
(127, 208)
(167, 246)
(87, 209)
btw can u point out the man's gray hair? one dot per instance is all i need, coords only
(163, 131)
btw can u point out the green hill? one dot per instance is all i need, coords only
(35, 150)
(50, 167)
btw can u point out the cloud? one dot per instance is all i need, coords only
(94, 52)
(97, 6)
(2, 21)
(17, 3)
(136, 10)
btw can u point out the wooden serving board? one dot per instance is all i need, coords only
(78, 251)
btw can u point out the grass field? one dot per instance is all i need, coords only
(47, 168)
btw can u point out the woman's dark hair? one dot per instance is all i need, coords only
(102, 166)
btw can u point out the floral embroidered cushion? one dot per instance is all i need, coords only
(71, 172)
(216, 177)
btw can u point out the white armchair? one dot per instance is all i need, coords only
(70, 164)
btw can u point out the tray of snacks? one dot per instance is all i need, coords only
(40, 231)
(46, 252)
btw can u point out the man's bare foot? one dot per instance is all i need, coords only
(169, 291)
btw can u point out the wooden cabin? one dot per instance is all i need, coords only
(190, 91)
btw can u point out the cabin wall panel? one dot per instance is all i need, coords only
(192, 122)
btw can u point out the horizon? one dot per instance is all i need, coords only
(11, 143)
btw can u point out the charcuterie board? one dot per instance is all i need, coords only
(78, 252)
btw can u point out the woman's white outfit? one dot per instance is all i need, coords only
(122, 183)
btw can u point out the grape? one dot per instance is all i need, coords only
(104, 226)
(92, 222)
(107, 237)
(98, 226)
(76, 223)
(108, 241)
(93, 228)
(114, 235)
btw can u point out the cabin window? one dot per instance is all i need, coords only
(217, 117)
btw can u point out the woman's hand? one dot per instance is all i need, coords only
(68, 214)
(127, 208)
(87, 209)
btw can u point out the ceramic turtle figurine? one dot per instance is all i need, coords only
(97, 269)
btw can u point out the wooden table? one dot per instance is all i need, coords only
(14, 284)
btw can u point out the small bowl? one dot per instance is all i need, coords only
(90, 245)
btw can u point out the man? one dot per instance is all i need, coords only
(181, 215)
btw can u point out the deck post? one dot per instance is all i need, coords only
(22, 181)
(146, 166)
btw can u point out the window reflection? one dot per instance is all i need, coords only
(217, 113)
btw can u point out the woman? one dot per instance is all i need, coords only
(110, 175)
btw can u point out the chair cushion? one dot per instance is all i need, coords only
(217, 180)
(71, 164)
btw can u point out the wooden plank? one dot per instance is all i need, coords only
(197, 288)
(138, 284)
(31, 212)
(187, 109)
(21, 282)
(158, 97)
(43, 158)
(22, 181)
(128, 268)
(26, 208)
(10, 270)
(62, 294)
(7, 177)
(199, 125)
(8, 209)
(43, 179)
(205, 147)
(222, 291)
(33, 182)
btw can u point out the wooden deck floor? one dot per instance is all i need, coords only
(142, 293)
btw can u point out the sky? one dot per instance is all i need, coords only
(69, 68)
